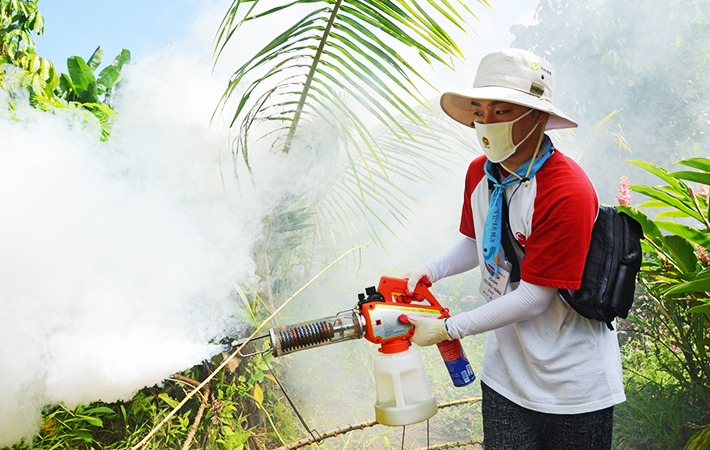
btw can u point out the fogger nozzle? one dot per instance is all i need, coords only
(345, 326)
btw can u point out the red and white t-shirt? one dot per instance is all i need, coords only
(557, 362)
(552, 218)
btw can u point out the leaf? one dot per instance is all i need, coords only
(700, 440)
(649, 227)
(697, 163)
(682, 251)
(244, 298)
(673, 201)
(363, 77)
(66, 85)
(100, 409)
(686, 232)
(271, 377)
(698, 177)
(698, 285)
(83, 79)
(94, 421)
(85, 435)
(660, 173)
(168, 399)
(700, 309)
(258, 394)
(96, 58)
(123, 58)
(108, 77)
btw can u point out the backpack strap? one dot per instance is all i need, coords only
(506, 241)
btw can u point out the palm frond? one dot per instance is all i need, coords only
(338, 46)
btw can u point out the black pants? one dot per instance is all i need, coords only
(507, 426)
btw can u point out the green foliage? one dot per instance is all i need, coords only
(230, 412)
(77, 91)
(672, 317)
(19, 19)
(337, 47)
(700, 440)
(81, 88)
(657, 412)
(316, 88)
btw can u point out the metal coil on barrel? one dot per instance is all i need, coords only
(291, 339)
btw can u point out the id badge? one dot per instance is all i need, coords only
(492, 288)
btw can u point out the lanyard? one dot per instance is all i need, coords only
(494, 223)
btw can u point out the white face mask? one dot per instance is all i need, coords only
(496, 139)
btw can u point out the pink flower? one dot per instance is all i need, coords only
(624, 196)
(702, 254)
(703, 190)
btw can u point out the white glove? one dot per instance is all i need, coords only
(420, 273)
(427, 331)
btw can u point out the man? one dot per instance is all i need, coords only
(550, 377)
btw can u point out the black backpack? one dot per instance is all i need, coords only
(613, 261)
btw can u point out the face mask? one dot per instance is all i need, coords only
(496, 139)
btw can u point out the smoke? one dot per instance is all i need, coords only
(646, 61)
(117, 259)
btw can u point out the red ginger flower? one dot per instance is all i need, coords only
(702, 254)
(703, 190)
(624, 196)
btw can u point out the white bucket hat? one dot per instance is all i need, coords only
(510, 75)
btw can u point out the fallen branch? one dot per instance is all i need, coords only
(371, 423)
(198, 418)
(451, 445)
(329, 434)
(203, 404)
(183, 379)
(235, 353)
(460, 401)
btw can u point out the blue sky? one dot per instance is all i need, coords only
(78, 27)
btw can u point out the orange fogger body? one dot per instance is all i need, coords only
(381, 309)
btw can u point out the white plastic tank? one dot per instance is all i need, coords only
(403, 395)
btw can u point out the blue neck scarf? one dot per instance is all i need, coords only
(494, 221)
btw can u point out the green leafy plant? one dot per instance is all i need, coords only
(337, 46)
(19, 19)
(80, 90)
(673, 315)
(224, 415)
(700, 440)
(81, 84)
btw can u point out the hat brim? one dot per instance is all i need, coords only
(457, 105)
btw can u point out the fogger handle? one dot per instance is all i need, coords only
(393, 289)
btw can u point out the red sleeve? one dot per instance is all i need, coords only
(473, 177)
(566, 206)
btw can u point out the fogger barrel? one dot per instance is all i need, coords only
(345, 326)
